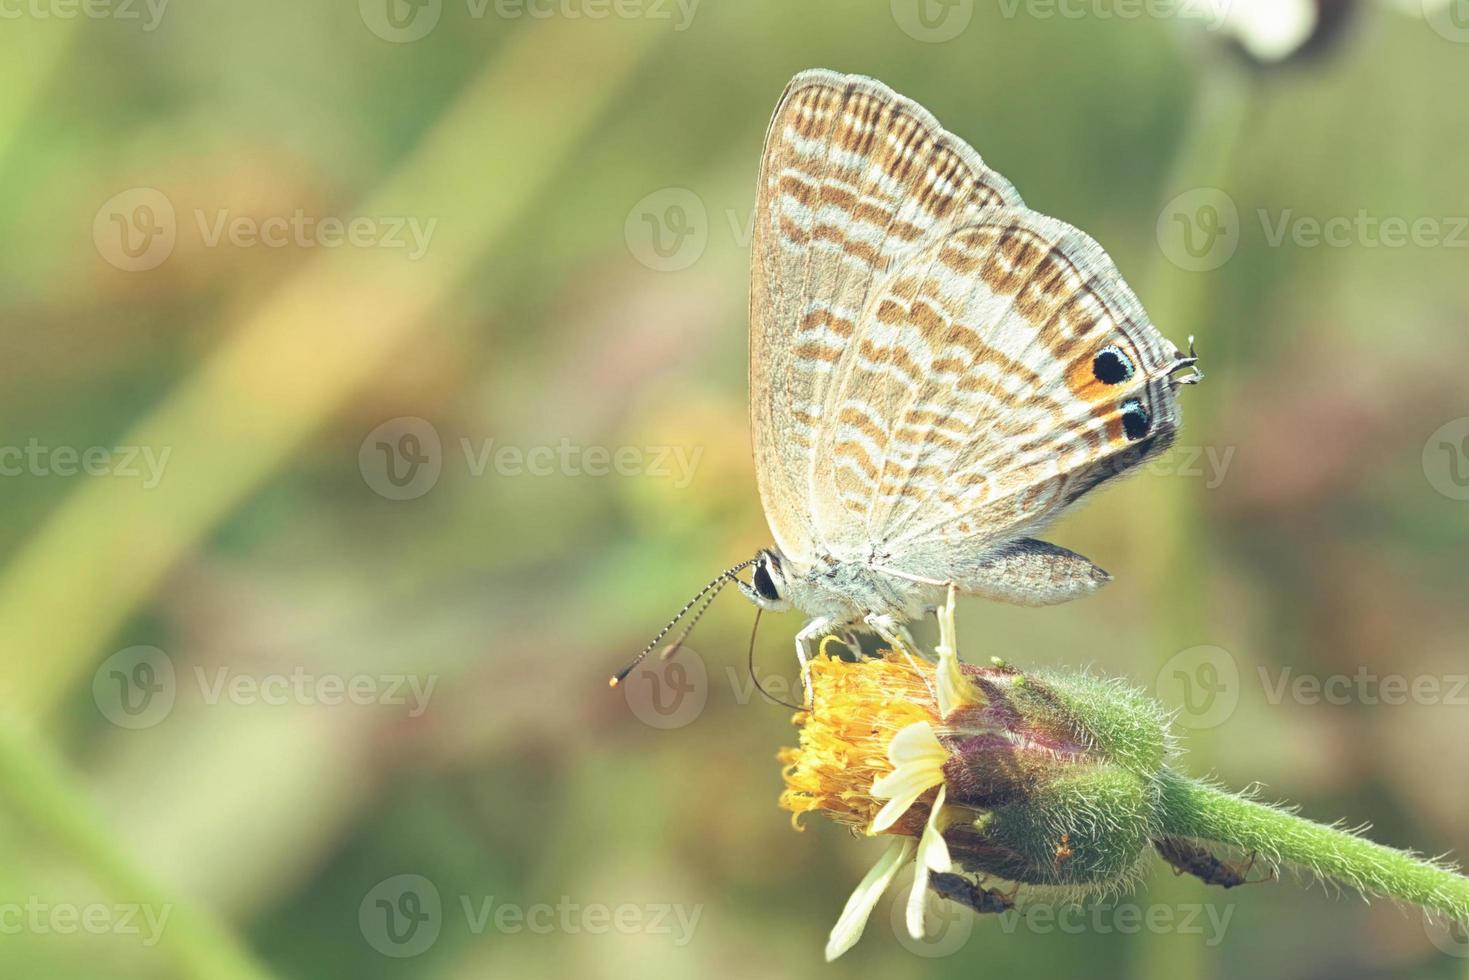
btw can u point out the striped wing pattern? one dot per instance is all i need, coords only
(971, 413)
(923, 346)
(853, 178)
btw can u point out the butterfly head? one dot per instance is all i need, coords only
(768, 587)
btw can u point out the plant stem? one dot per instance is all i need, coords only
(319, 339)
(1217, 131)
(1205, 813)
(35, 789)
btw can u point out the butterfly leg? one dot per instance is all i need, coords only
(893, 633)
(809, 634)
(896, 635)
(945, 611)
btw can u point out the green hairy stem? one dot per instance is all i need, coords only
(1084, 788)
(1196, 810)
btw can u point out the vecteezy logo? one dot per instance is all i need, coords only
(668, 230)
(402, 458)
(400, 21)
(933, 21)
(1456, 453)
(1446, 459)
(1448, 935)
(1203, 682)
(401, 916)
(1450, 18)
(668, 693)
(135, 687)
(136, 229)
(1199, 230)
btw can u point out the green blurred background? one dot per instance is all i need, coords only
(325, 686)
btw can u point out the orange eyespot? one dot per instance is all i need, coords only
(1095, 377)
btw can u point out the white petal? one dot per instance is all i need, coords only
(918, 759)
(933, 855)
(902, 788)
(917, 899)
(954, 689)
(853, 919)
(916, 743)
(937, 856)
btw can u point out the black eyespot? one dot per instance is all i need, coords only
(1112, 366)
(764, 584)
(1135, 419)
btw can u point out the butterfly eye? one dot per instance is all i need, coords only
(1135, 419)
(764, 584)
(1112, 366)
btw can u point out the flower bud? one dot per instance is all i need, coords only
(1060, 771)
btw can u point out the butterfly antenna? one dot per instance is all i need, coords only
(1181, 362)
(718, 583)
(670, 651)
(750, 666)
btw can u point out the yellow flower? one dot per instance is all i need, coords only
(869, 758)
(846, 735)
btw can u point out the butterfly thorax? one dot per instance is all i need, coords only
(847, 591)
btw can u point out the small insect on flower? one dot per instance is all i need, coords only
(1189, 858)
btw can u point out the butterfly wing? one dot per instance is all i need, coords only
(996, 376)
(853, 178)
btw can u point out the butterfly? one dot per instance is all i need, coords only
(936, 372)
